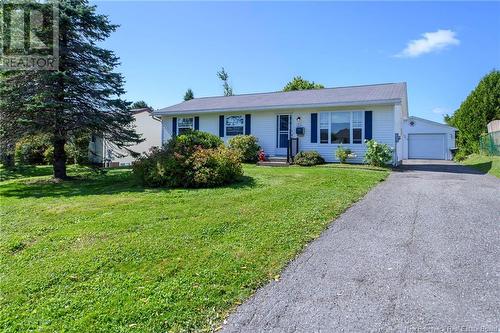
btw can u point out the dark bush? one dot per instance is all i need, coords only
(308, 158)
(193, 159)
(247, 146)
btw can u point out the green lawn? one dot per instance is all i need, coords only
(486, 164)
(102, 254)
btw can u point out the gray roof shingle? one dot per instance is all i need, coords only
(376, 93)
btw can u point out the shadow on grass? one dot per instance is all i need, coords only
(483, 167)
(363, 167)
(108, 184)
(24, 172)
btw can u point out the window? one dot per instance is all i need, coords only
(235, 125)
(341, 127)
(324, 121)
(357, 126)
(184, 125)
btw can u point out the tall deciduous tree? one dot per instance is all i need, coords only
(479, 108)
(83, 95)
(298, 83)
(224, 77)
(188, 95)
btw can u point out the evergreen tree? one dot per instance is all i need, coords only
(188, 95)
(298, 83)
(479, 108)
(82, 96)
(224, 76)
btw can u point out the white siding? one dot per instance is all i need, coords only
(150, 129)
(263, 126)
(383, 124)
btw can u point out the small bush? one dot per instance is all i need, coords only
(193, 159)
(377, 154)
(308, 158)
(247, 146)
(343, 154)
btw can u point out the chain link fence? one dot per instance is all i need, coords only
(489, 144)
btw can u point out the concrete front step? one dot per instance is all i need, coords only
(278, 161)
(273, 163)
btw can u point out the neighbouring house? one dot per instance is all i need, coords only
(103, 152)
(319, 120)
(494, 126)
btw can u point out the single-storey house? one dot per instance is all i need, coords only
(102, 151)
(319, 120)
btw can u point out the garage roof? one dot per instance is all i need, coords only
(340, 96)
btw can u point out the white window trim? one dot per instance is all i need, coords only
(225, 125)
(329, 128)
(179, 127)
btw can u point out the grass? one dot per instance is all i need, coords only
(102, 254)
(486, 164)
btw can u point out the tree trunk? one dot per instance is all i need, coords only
(59, 162)
(8, 156)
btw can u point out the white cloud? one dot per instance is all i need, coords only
(439, 110)
(430, 42)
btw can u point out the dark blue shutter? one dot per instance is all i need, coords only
(196, 123)
(248, 125)
(314, 128)
(277, 131)
(174, 126)
(221, 126)
(368, 125)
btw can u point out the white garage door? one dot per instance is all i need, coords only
(427, 146)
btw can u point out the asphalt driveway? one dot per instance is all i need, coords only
(420, 253)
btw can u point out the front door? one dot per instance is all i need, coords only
(282, 133)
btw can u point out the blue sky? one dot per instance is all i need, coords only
(441, 49)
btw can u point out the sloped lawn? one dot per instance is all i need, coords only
(102, 254)
(486, 164)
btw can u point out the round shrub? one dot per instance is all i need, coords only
(214, 167)
(247, 146)
(193, 159)
(308, 158)
(377, 154)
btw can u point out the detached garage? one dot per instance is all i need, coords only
(429, 140)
